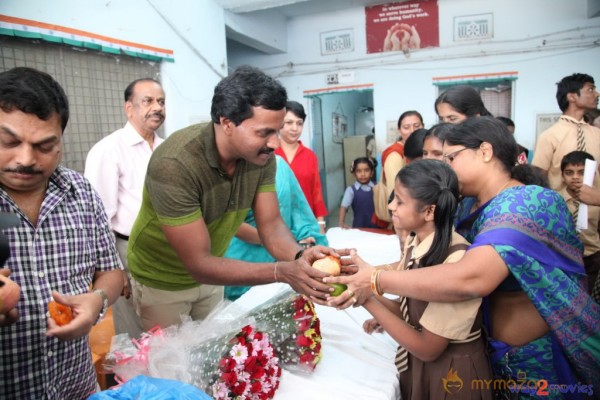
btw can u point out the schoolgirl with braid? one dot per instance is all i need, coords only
(441, 345)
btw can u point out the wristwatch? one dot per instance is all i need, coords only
(299, 254)
(104, 297)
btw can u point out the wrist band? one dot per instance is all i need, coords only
(275, 271)
(321, 222)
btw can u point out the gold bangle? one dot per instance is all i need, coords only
(275, 271)
(377, 286)
(374, 276)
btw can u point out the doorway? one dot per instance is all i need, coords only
(338, 119)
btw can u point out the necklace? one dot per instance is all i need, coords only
(503, 187)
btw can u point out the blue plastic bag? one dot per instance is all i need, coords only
(147, 388)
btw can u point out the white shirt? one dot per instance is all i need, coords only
(116, 167)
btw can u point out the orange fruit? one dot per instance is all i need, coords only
(10, 293)
(60, 313)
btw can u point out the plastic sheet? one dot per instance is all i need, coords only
(147, 388)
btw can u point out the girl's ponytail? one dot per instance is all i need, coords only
(433, 182)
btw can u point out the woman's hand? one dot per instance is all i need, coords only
(359, 284)
(305, 279)
(371, 325)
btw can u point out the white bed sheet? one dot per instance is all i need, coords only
(354, 365)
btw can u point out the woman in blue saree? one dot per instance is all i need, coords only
(525, 260)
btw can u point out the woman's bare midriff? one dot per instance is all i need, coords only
(515, 319)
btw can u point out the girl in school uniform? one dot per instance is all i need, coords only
(359, 196)
(442, 347)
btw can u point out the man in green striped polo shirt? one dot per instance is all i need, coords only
(201, 182)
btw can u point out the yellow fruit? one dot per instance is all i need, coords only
(339, 288)
(329, 264)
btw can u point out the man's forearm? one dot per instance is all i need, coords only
(280, 243)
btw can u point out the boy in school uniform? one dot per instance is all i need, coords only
(572, 167)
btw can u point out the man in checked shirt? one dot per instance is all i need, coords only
(62, 249)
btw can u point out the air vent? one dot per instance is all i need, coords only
(473, 27)
(334, 42)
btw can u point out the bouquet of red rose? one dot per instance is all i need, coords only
(226, 363)
(294, 329)
(249, 370)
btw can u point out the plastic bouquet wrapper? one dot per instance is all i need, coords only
(293, 327)
(228, 359)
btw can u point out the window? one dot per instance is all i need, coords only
(93, 81)
(496, 95)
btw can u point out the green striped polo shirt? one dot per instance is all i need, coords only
(184, 183)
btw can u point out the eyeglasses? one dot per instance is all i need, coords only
(450, 157)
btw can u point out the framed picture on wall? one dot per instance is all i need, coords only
(543, 122)
(392, 133)
(339, 128)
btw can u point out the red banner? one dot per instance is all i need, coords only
(405, 26)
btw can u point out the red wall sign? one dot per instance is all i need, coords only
(405, 26)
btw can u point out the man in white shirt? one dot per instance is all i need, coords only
(116, 167)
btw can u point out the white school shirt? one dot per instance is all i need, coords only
(116, 167)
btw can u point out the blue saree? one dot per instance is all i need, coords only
(296, 214)
(531, 229)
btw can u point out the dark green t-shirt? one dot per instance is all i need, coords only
(184, 183)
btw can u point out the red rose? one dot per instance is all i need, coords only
(227, 364)
(256, 387)
(250, 363)
(229, 378)
(299, 314)
(257, 373)
(307, 358)
(238, 388)
(247, 330)
(304, 341)
(304, 324)
(299, 302)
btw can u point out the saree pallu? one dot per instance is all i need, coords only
(531, 229)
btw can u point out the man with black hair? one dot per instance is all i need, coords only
(575, 94)
(116, 167)
(201, 182)
(61, 250)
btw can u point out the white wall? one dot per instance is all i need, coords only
(543, 40)
(193, 29)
